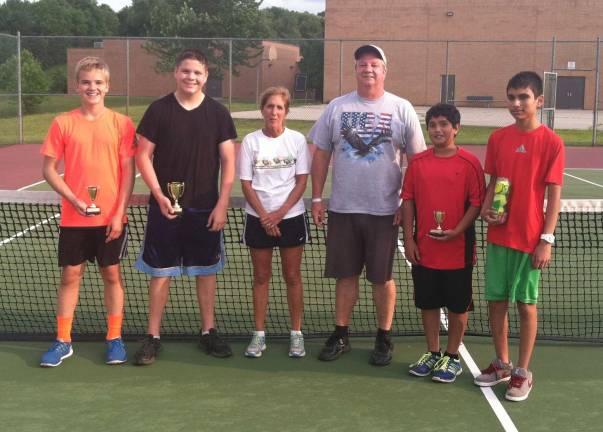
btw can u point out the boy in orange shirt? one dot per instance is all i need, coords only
(97, 145)
(531, 157)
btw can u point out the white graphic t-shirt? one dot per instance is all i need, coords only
(367, 138)
(272, 164)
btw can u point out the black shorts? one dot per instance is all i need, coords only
(180, 246)
(294, 232)
(357, 240)
(443, 288)
(79, 244)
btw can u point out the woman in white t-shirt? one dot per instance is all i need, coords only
(274, 164)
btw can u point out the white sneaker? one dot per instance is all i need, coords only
(256, 346)
(296, 346)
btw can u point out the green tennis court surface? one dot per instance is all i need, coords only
(186, 390)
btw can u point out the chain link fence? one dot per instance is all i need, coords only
(37, 78)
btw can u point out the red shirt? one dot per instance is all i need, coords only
(92, 150)
(530, 160)
(449, 184)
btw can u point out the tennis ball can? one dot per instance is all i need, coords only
(501, 195)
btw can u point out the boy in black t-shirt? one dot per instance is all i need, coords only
(185, 137)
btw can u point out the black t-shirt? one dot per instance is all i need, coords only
(186, 147)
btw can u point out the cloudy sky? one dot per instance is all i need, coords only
(312, 6)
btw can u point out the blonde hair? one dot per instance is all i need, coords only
(275, 91)
(92, 63)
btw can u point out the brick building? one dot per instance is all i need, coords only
(276, 65)
(476, 68)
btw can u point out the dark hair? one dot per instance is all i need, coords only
(526, 79)
(192, 54)
(449, 111)
(275, 91)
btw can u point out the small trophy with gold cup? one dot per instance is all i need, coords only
(439, 216)
(92, 209)
(176, 190)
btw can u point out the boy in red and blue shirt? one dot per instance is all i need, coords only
(449, 180)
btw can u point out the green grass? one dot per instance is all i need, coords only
(36, 125)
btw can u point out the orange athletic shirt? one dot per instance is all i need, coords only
(531, 161)
(92, 151)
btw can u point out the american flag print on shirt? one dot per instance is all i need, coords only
(364, 133)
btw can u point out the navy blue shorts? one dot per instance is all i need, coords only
(294, 232)
(180, 246)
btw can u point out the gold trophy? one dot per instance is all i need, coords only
(176, 190)
(92, 209)
(439, 216)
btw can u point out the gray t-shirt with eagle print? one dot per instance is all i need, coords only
(367, 139)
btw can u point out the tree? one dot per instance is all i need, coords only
(33, 79)
(56, 18)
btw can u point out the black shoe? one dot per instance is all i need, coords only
(382, 354)
(334, 347)
(148, 351)
(214, 345)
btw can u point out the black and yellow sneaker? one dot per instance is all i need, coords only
(214, 345)
(148, 351)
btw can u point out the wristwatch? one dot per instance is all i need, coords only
(549, 238)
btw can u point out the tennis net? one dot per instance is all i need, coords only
(570, 305)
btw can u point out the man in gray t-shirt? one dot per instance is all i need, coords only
(365, 133)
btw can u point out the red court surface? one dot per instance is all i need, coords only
(21, 165)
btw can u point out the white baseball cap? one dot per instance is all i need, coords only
(373, 49)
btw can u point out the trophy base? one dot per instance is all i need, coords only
(92, 211)
(436, 233)
(177, 211)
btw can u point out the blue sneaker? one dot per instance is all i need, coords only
(56, 354)
(447, 369)
(424, 365)
(116, 352)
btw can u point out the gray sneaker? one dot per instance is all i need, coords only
(520, 385)
(256, 346)
(296, 346)
(495, 373)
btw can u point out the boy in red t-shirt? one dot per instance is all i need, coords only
(97, 145)
(531, 156)
(443, 192)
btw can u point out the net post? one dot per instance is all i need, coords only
(230, 74)
(19, 89)
(596, 104)
(127, 76)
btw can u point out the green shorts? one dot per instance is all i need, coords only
(510, 275)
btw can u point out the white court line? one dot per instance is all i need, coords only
(500, 412)
(584, 180)
(31, 228)
(35, 184)
(36, 226)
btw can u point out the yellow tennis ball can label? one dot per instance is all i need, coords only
(501, 195)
